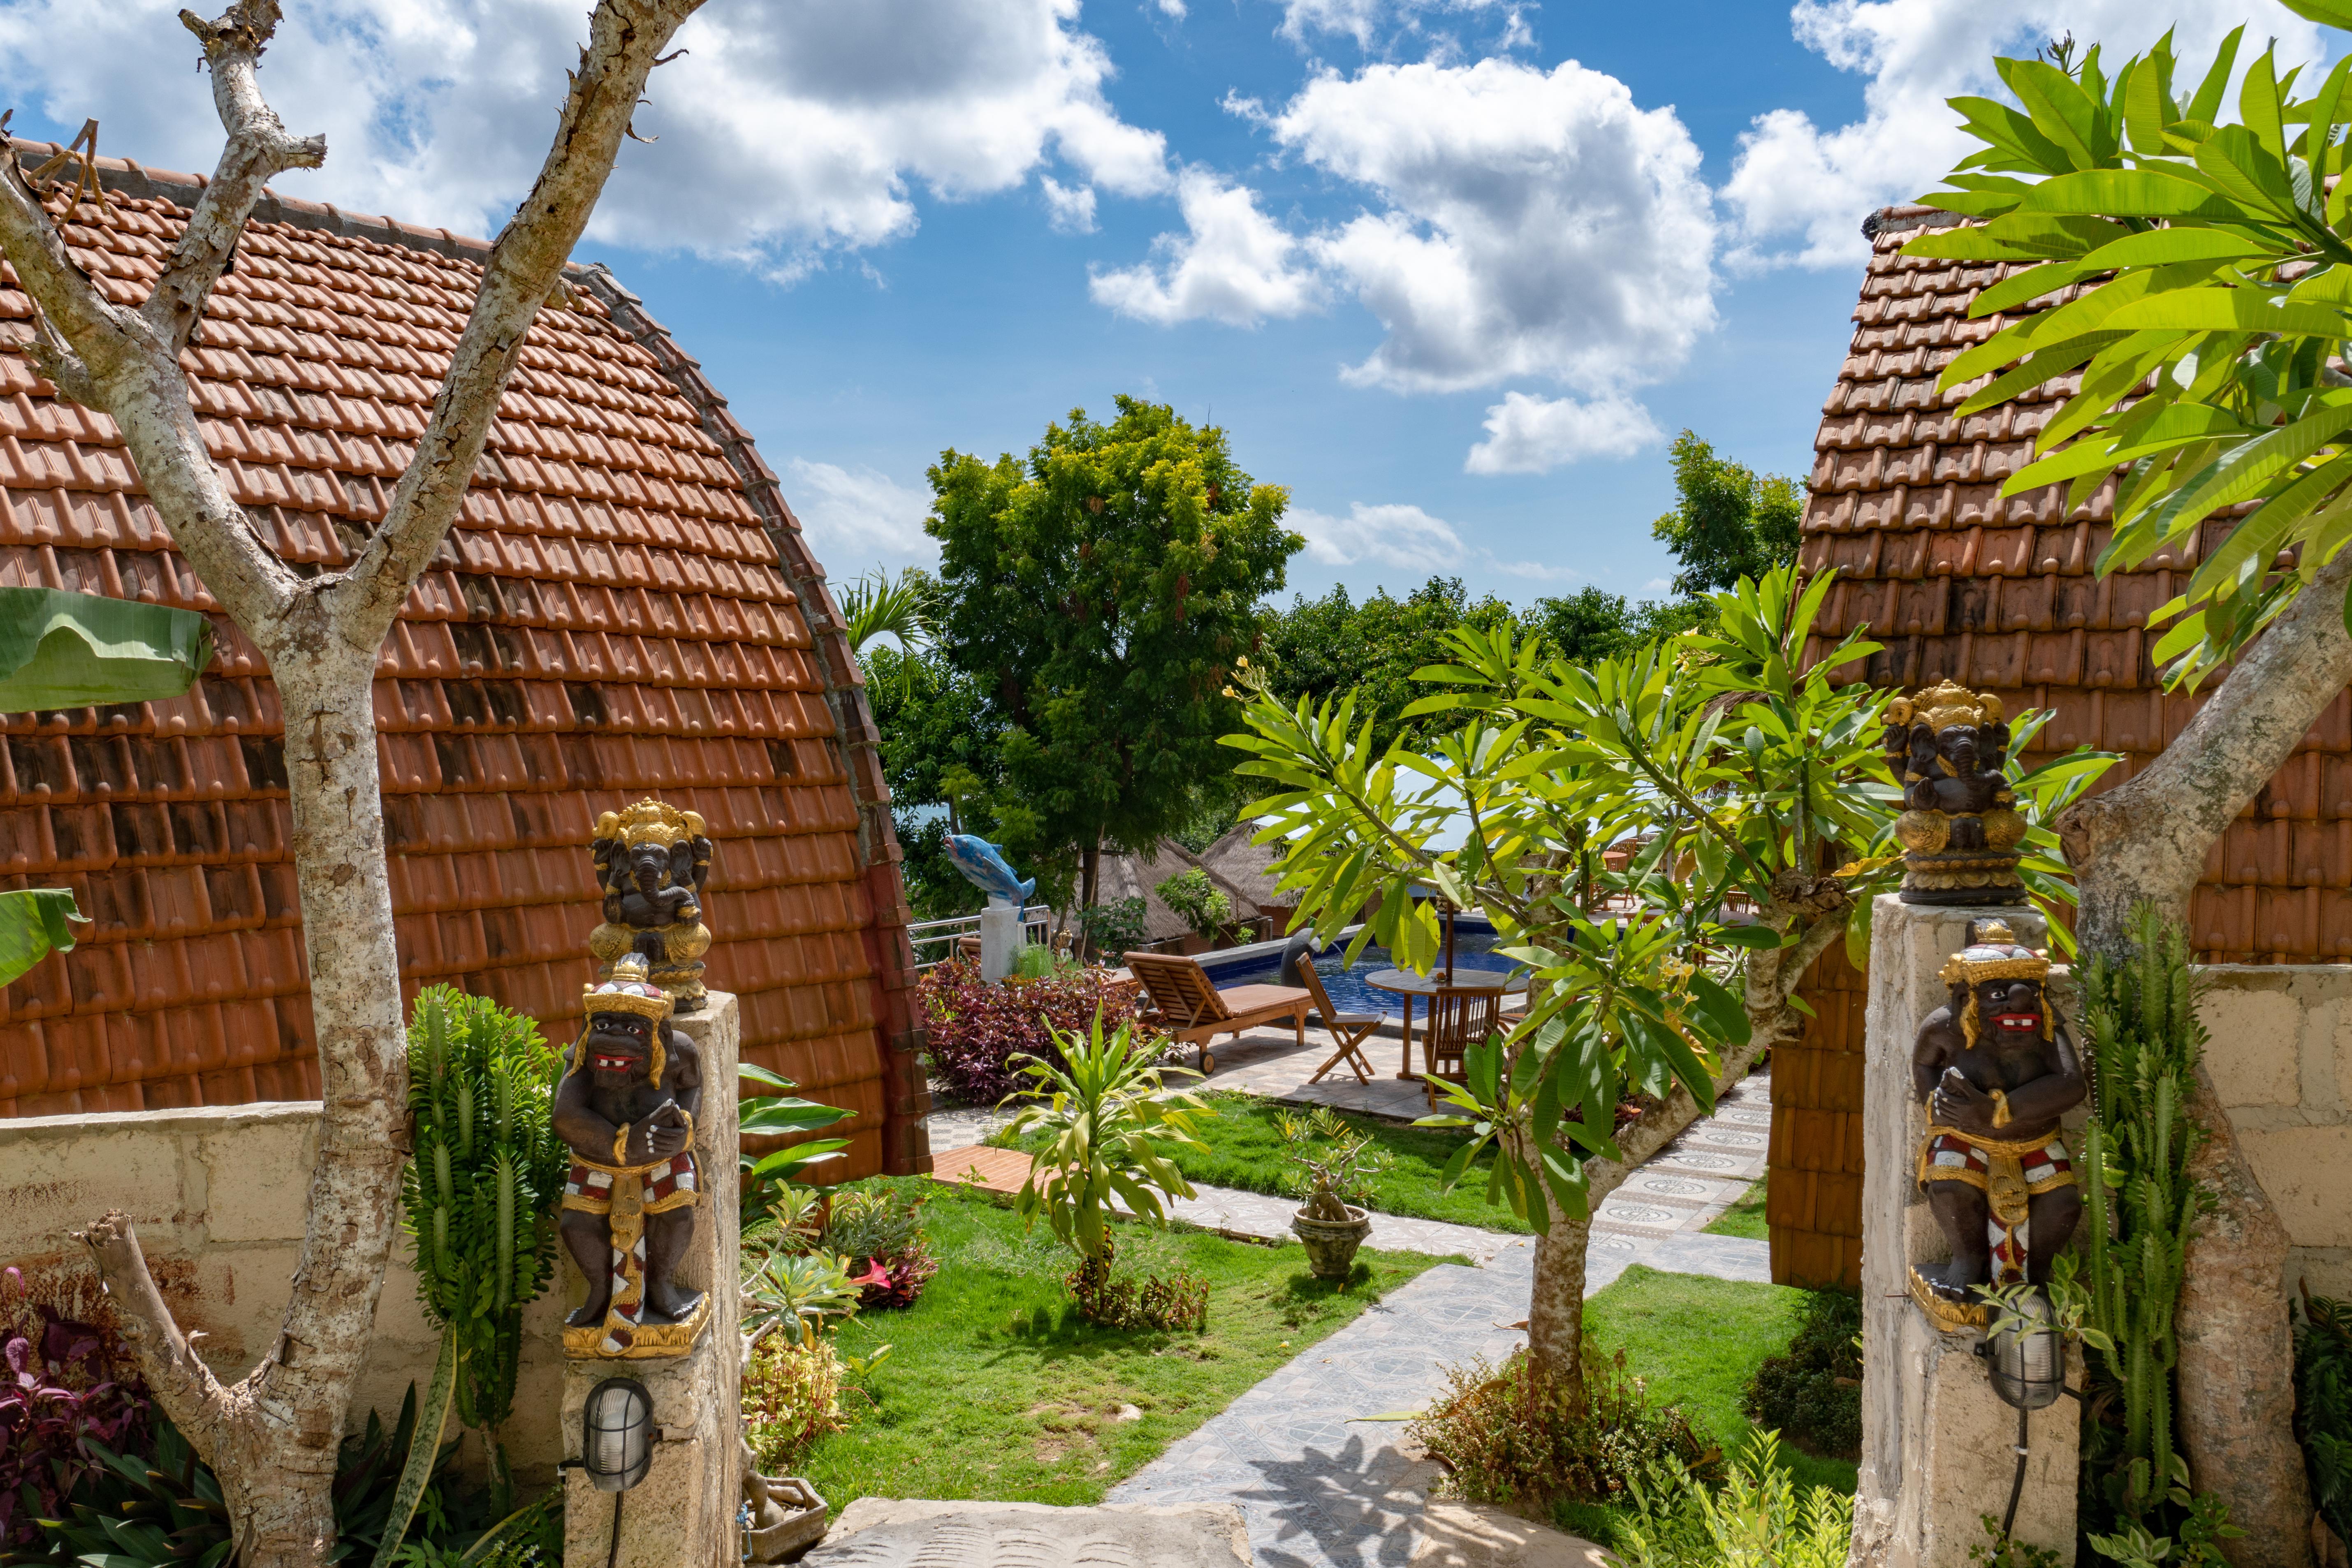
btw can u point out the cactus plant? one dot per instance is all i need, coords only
(481, 1190)
(2140, 1017)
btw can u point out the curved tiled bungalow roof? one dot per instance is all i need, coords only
(625, 606)
(1999, 593)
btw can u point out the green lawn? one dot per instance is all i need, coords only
(1245, 1151)
(1744, 1217)
(1697, 1341)
(995, 1389)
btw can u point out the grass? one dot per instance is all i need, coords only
(995, 1388)
(1697, 1342)
(1245, 1151)
(1744, 1217)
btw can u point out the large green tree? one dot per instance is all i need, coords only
(1327, 647)
(1730, 521)
(942, 755)
(1104, 591)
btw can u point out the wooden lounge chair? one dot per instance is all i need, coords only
(1458, 1020)
(1188, 1006)
(1351, 1030)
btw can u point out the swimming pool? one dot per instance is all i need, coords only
(1473, 943)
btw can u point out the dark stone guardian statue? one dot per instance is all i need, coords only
(1996, 1068)
(1961, 830)
(626, 1105)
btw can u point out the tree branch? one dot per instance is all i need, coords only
(257, 148)
(625, 40)
(183, 1385)
(71, 308)
(2149, 838)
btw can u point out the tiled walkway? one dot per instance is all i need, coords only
(1321, 1485)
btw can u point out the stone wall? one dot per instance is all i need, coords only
(218, 1195)
(2280, 1058)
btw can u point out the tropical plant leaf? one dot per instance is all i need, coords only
(59, 649)
(33, 923)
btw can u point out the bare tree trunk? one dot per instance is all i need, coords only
(272, 1435)
(2147, 840)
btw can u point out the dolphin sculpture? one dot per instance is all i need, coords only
(982, 865)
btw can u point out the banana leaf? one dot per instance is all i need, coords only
(79, 650)
(33, 923)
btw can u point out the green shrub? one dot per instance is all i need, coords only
(1516, 1436)
(1197, 901)
(2323, 1405)
(791, 1397)
(1756, 1516)
(1813, 1394)
(1114, 928)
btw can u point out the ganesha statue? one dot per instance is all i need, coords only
(1997, 1069)
(1960, 828)
(653, 862)
(626, 1106)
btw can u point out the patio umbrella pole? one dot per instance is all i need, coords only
(1449, 942)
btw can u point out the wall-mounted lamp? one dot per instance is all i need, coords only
(2026, 1357)
(616, 1443)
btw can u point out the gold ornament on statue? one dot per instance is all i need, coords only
(1961, 830)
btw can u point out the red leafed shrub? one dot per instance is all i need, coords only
(976, 1029)
(56, 1390)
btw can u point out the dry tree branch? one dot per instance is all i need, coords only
(525, 267)
(257, 148)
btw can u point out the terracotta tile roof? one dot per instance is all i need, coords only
(625, 607)
(2000, 595)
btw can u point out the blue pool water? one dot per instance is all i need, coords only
(1346, 984)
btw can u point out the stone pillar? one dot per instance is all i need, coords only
(1000, 938)
(1937, 1442)
(682, 1515)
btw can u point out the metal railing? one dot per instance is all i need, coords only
(939, 937)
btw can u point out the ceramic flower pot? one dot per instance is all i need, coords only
(1332, 1243)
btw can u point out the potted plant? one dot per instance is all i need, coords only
(1333, 1162)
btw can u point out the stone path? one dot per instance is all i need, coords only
(1320, 1485)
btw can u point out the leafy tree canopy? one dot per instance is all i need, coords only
(1728, 521)
(1102, 592)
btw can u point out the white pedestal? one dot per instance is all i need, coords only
(1000, 938)
(1937, 1450)
(682, 1515)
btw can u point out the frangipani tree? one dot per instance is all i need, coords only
(1736, 766)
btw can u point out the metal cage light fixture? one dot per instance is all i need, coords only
(616, 1443)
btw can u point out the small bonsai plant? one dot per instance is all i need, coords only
(1198, 902)
(1332, 1162)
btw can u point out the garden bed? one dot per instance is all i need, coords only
(1697, 1342)
(995, 1388)
(1246, 1153)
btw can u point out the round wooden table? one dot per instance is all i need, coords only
(1404, 983)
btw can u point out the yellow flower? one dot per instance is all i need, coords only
(1231, 692)
(1243, 661)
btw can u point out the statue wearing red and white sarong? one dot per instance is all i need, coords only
(627, 1106)
(1997, 1069)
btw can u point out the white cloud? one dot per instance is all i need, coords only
(1070, 211)
(1532, 222)
(1404, 537)
(1368, 21)
(1800, 192)
(1174, 9)
(1530, 435)
(1232, 263)
(791, 128)
(858, 519)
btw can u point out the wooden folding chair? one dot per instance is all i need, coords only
(1458, 1020)
(1351, 1030)
(1188, 1006)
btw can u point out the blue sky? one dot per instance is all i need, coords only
(1454, 291)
